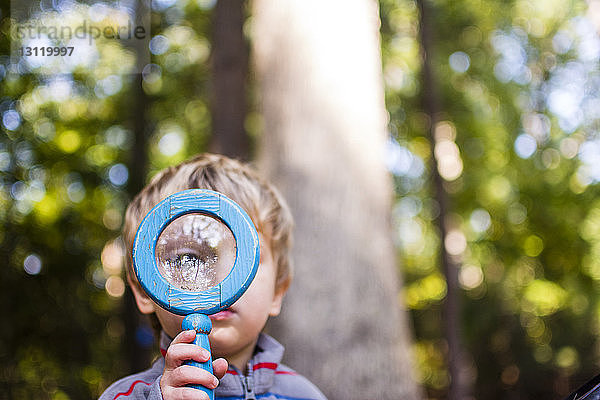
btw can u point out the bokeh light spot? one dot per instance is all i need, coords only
(562, 42)
(171, 143)
(470, 276)
(480, 220)
(4, 161)
(159, 44)
(459, 61)
(152, 73)
(543, 353)
(510, 375)
(68, 141)
(533, 245)
(544, 297)
(76, 192)
(550, 158)
(32, 264)
(118, 174)
(115, 286)
(498, 188)
(517, 213)
(401, 162)
(525, 145)
(108, 86)
(11, 120)
(569, 147)
(112, 219)
(17, 190)
(112, 257)
(430, 289)
(567, 357)
(455, 242)
(449, 163)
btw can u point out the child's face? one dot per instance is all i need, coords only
(236, 329)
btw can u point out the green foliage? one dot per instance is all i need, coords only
(517, 147)
(64, 168)
(523, 217)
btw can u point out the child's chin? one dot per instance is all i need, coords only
(222, 339)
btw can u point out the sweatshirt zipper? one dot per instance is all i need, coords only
(248, 383)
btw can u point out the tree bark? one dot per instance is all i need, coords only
(137, 355)
(229, 71)
(451, 307)
(319, 71)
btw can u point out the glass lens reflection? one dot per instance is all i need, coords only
(195, 252)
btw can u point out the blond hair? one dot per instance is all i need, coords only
(236, 180)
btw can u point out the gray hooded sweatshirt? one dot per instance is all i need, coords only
(266, 379)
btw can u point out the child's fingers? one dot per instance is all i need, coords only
(180, 352)
(190, 375)
(184, 337)
(220, 366)
(185, 393)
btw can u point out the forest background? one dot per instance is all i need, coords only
(493, 111)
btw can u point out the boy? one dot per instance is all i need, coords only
(252, 367)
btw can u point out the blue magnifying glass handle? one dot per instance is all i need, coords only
(202, 325)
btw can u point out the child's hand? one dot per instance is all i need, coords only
(177, 375)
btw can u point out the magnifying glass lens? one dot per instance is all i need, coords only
(195, 252)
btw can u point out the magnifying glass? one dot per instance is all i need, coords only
(195, 253)
(589, 391)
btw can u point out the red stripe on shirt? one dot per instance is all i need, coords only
(255, 367)
(265, 365)
(285, 373)
(127, 393)
(163, 352)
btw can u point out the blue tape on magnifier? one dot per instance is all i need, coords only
(181, 254)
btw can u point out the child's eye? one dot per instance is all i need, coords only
(192, 270)
(192, 260)
(195, 252)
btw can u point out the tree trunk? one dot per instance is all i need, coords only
(137, 355)
(229, 70)
(451, 306)
(319, 71)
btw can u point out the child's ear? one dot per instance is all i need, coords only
(280, 291)
(144, 303)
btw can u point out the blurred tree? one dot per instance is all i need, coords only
(138, 356)
(229, 71)
(451, 307)
(323, 144)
